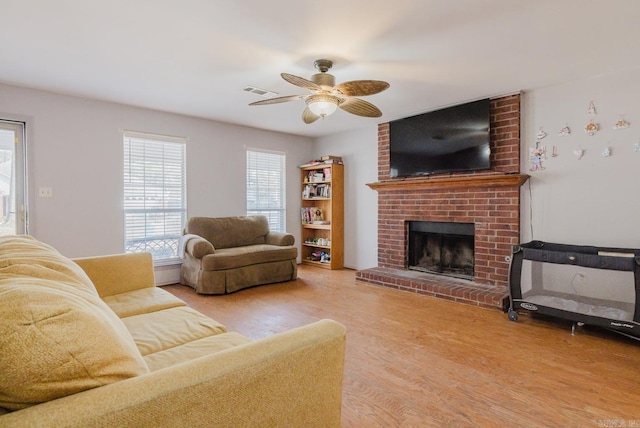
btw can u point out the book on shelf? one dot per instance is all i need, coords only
(311, 191)
(323, 191)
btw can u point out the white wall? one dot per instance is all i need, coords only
(592, 201)
(359, 151)
(75, 147)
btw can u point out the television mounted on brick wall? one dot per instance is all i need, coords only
(449, 140)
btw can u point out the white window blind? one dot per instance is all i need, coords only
(266, 187)
(155, 206)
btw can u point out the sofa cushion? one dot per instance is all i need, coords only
(57, 340)
(194, 349)
(142, 301)
(157, 331)
(226, 232)
(231, 258)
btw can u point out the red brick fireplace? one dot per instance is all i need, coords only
(490, 200)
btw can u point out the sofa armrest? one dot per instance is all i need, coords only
(198, 247)
(119, 273)
(291, 379)
(280, 238)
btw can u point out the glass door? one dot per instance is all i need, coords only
(13, 209)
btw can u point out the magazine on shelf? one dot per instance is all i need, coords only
(327, 174)
(312, 215)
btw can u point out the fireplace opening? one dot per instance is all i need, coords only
(442, 248)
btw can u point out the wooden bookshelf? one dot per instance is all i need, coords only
(323, 190)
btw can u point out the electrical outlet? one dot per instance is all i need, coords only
(45, 192)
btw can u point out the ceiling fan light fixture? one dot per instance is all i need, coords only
(322, 105)
(326, 96)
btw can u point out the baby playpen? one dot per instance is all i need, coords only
(582, 284)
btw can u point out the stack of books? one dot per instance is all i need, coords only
(324, 160)
(312, 191)
(331, 159)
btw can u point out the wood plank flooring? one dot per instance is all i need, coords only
(418, 361)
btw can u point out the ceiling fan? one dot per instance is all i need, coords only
(326, 96)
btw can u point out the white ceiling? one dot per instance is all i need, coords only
(194, 57)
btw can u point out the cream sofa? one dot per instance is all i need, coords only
(93, 343)
(227, 254)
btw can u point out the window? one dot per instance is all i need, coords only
(266, 187)
(13, 179)
(155, 206)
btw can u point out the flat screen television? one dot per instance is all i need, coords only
(452, 139)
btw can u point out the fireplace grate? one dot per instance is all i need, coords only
(441, 248)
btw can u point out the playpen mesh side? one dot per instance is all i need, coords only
(602, 293)
(583, 280)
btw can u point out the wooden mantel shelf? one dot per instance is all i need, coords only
(475, 180)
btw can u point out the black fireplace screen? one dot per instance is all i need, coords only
(440, 247)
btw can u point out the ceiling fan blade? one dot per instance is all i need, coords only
(278, 100)
(308, 116)
(360, 107)
(301, 81)
(360, 88)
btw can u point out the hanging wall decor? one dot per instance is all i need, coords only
(565, 131)
(591, 128)
(541, 134)
(536, 156)
(621, 123)
(591, 110)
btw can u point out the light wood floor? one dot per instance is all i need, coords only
(418, 361)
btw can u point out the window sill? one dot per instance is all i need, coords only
(167, 262)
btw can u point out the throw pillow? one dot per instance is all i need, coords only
(58, 340)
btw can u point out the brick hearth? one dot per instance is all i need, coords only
(458, 290)
(490, 200)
